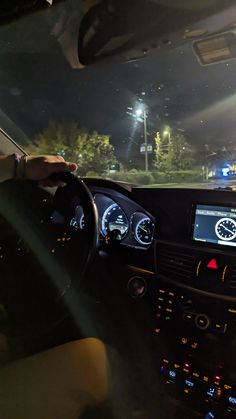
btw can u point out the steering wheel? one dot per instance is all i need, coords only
(75, 191)
(66, 279)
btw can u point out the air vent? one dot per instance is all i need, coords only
(232, 282)
(173, 263)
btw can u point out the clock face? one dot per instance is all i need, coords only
(225, 229)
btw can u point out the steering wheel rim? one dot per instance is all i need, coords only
(76, 186)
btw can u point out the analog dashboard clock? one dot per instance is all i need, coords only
(225, 229)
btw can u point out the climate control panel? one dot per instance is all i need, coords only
(193, 385)
(197, 338)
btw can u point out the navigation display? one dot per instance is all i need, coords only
(214, 224)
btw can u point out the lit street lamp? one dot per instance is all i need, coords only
(142, 112)
(166, 133)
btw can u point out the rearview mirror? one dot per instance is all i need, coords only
(215, 49)
(115, 27)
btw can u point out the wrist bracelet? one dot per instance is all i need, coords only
(19, 166)
(17, 159)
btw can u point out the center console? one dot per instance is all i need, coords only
(195, 315)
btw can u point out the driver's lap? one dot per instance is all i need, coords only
(55, 384)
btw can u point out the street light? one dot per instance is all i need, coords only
(139, 112)
(142, 112)
(166, 133)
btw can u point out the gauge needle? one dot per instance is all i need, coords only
(143, 229)
(230, 231)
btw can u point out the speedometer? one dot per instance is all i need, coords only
(144, 231)
(114, 218)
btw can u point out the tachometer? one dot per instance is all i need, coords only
(144, 231)
(78, 220)
(114, 218)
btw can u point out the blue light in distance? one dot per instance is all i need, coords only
(225, 171)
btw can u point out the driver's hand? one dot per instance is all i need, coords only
(41, 167)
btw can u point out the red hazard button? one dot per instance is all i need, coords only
(212, 264)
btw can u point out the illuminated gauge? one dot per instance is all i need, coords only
(114, 218)
(144, 231)
(226, 229)
(78, 220)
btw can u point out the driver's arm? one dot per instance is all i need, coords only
(33, 167)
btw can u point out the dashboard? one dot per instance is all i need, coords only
(170, 281)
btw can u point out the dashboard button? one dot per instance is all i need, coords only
(202, 321)
(218, 326)
(212, 264)
(188, 317)
(211, 269)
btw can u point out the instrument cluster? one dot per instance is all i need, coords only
(131, 227)
(120, 217)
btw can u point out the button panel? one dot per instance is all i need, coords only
(204, 322)
(171, 305)
(211, 389)
(201, 368)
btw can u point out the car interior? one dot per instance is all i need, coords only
(149, 271)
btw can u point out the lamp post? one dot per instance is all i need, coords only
(166, 133)
(142, 112)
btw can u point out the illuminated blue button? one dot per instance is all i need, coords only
(172, 374)
(232, 400)
(189, 383)
(211, 391)
(210, 415)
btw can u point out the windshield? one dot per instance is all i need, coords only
(162, 121)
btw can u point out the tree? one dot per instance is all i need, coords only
(173, 152)
(92, 151)
(161, 152)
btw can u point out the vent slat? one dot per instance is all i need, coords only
(179, 266)
(176, 255)
(172, 262)
(175, 272)
(232, 283)
(176, 262)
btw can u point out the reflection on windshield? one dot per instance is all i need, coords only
(161, 121)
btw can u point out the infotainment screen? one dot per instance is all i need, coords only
(213, 224)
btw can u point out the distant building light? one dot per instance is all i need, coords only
(115, 167)
(225, 171)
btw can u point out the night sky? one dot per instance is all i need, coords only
(37, 84)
